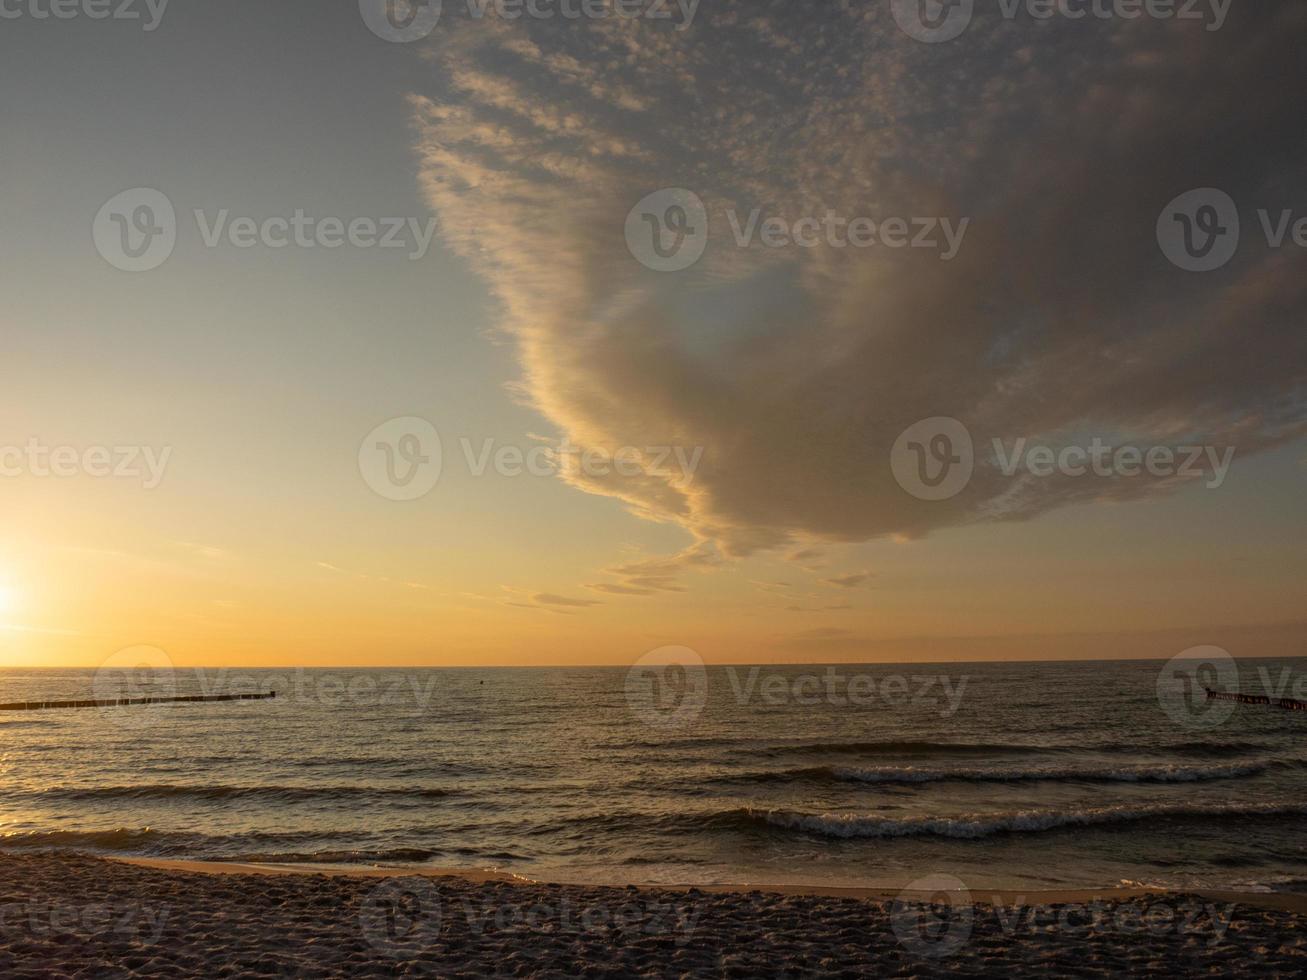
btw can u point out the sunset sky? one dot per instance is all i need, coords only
(787, 373)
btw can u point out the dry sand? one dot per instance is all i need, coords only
(83, 917)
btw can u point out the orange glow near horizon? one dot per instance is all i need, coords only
(380, 590)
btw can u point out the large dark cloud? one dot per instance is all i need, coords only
(796, 368)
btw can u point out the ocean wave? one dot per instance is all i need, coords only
(122, 840)
(913, 775)
(248, 846)
(412, 768)
(1084, 774)
(1201, 748)
(275, 849)
(1204, 748)
(912, 748)
(399, 855)
(673, 743)
(975, 826)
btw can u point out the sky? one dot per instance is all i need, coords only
(634, 238)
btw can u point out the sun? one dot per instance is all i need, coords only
(8, 600)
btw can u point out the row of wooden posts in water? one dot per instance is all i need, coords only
(127, 702)
(1288, 704)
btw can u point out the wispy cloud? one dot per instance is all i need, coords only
(649, 576)
(550, 602)
(550, 599)
(811, 559)
(17, 628)
(613, 588)
(379, 579)
(851, 581)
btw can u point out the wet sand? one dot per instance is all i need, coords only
(980, 896)
(82, 917)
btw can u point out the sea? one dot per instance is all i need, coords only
(1032, 775)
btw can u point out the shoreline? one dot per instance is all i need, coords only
(983, 896)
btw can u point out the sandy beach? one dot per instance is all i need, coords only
(85, 917)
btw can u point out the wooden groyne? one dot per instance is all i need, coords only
(127, 702)
(1288, 704)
